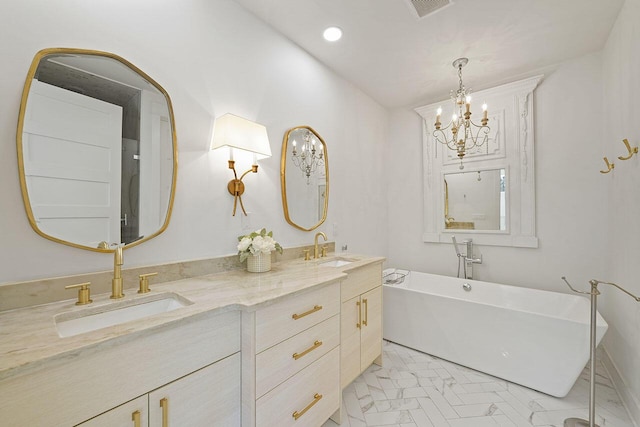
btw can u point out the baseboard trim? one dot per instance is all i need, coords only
(628, 399)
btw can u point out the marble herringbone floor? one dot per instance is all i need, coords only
(414, 389)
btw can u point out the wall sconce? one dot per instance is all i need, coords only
(242, 134)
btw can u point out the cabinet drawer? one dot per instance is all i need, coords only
(298, 393)
(275, 365)
(291, 316)
(361, 280)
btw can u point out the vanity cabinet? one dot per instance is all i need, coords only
(290, 360)
(361, 323)
(187, 362)
(208, 397)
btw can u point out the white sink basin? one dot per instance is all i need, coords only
(338, 262)
(79, 322)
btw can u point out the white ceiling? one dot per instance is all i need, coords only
(400, 59)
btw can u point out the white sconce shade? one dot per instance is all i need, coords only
(242, 134)
(236, 132)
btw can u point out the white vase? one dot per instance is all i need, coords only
(259, 263)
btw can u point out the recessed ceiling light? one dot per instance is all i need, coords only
(332, 34)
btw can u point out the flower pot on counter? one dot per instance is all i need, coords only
(259, 263)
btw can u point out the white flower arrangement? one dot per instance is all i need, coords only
(260, 241)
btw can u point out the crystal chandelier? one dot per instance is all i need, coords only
(464, 133)
(309, 157)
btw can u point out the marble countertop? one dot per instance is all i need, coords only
(29, 339)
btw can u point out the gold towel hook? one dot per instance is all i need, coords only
(610, 166)
(632, 151)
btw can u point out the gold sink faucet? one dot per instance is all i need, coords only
(116, 283)
(315, 243)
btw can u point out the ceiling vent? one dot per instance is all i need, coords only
(427, 7)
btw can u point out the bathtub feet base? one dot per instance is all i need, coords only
(577, 422)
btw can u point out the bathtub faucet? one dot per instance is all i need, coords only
(467, 257)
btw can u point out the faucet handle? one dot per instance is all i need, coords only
(144, 283)
(324, 251)
(84, 293)
(307, 257)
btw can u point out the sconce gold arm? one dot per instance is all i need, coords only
(236, 186)
(316, 399)
(631, 151)
(610, 166)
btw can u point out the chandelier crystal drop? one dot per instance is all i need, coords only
(462, 134)
(309, 157)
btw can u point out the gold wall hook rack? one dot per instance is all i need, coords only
(631, 151)
(610, 166)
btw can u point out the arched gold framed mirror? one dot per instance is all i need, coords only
(97, 150)
(304, 175)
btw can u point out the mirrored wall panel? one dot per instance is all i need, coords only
(97, 150)
(475, 200)
(304, 176)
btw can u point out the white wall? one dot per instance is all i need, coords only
(621, 199)
(212, 57)
(568, 189)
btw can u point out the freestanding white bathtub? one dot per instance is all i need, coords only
(538, 339)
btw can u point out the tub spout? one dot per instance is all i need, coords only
(468, 258)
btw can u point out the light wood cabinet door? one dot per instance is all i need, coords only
(209, 397)
(350, 341)
(361, 323)
(371, 332)
(130, 414)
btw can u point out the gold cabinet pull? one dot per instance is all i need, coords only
(164, 404)
(306, 313)
(316, 399)
(366, 312)
(315, 345)
(359, 315)
(135, 417)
